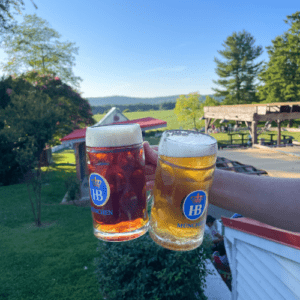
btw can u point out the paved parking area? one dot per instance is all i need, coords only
(273, 160)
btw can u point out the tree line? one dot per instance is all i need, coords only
(134, 107)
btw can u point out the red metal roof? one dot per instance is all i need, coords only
(76, 134)
(144, 123)
(287, 238)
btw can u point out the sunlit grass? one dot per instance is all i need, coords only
(165, 115)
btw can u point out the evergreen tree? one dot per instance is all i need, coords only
(281, 75)
(34, 45)
(238, 72)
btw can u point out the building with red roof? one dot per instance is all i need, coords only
(76, 140)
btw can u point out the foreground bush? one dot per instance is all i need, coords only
(140, 269)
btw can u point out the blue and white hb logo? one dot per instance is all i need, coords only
(194, 205)
(99, 189)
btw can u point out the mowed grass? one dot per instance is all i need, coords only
(56, 260)
(165, 115)
(173, 123)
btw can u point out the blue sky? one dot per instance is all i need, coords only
(156, 47)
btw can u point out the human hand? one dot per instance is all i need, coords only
(151, 156)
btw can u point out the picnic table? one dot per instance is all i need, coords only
(231, 134)
(271, 136)
(240, 133)
(287, 138)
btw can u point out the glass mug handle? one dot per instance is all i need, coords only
(150, 195)
(150, 184)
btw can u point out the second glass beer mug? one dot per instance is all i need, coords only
(183, 178)
(116, 165)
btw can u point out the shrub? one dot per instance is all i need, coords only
(139, 269)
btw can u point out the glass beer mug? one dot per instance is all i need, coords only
(117, 184)
(183, 178)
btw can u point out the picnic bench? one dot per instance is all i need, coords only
(287, 139)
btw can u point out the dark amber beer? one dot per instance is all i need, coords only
(183, 178)
(116, 166)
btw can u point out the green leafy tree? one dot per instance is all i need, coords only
(29, 123)
(238, 72)
(188, 107)
(34, 45)
(9, 167)
(75, 110)
(281, 75)
(8, 8)
(210, 101)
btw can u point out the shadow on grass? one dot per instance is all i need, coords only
(63, 164)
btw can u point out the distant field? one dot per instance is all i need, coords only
(166, 115)
(173, 123)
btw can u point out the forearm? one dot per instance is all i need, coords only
(274, 201)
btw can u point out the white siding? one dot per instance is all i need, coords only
(262, 269)
(60, 147)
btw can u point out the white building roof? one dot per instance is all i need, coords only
(114, 115)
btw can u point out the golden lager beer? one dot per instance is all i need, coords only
(116, 165)
(183, 178)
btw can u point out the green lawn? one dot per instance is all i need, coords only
(166, 115)
(52, 262)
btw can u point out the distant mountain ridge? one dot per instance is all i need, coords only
(123, 100)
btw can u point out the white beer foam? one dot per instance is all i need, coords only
(181, 143)
(113, 135)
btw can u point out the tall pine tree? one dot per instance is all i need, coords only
(281, 75)
(239, 72)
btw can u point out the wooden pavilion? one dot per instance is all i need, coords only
(251, 114)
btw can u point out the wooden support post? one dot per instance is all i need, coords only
(207, 122)
(248, 124)
(254, 132)
(279, 132)
(77, 157)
